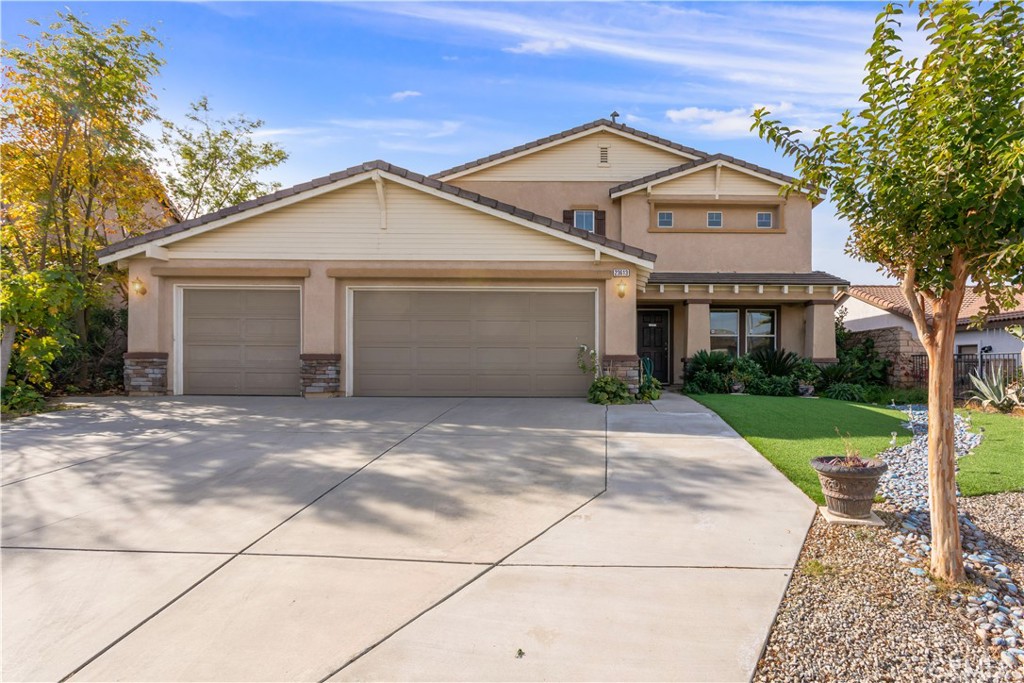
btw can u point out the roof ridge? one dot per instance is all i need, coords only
(366, 167)
(596, 123)
(697, 163)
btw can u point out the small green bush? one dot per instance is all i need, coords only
(650, 390)
(609, 390)
(884, 396)
(833, 374)
(773, 386)
(717, 362)
(20, 397)
(708, 382)
(845, 391)
(806, 371)
(746, 372)
(775, 362)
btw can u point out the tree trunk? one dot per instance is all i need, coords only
(6, 348)
(947, 553)
(83, 374)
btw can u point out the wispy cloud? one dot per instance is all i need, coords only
(284, 132)
(401, 127)
(538, 47)
(736, 122)
(404, 95)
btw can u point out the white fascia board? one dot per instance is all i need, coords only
(560, 141)
(234, 218)
(553, 232)
(702, 167)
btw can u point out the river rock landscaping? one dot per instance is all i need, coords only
(861, 604)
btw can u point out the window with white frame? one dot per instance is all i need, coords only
(760, 329)
(664, 219)
(764, 219)
(583, 219)
(725, 331)
(714, 219)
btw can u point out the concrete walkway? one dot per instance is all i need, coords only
(390, 539)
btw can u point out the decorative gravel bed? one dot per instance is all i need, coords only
(860, 605)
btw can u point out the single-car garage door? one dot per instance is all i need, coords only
(470, 343)
(241, 341)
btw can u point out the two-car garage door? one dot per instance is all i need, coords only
(470, 343)
(404, 343)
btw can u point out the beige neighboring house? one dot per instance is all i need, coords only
(481, 280)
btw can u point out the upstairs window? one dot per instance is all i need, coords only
(583, 219)
(764, 219)
(714, 219)
(664, 219)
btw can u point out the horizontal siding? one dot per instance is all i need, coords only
(730, 183)
(346, 225)
(578, 160)
(734, 182)
(701, 182)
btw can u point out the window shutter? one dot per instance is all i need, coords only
(599, 222)
(569, 217)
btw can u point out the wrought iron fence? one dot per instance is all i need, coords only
(965, 364)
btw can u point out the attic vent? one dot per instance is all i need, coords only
(603, 155)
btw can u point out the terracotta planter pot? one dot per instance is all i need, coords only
(849, 491)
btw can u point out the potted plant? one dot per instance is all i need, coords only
(849, 482)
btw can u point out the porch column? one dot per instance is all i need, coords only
(618, 357)
(320, 371)
(698, 326)
(146, 362)
(820, 331)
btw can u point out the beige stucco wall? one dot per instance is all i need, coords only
(720, 250)
(152, 316)
(551, 198)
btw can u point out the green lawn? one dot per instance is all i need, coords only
(998, 463)
(791, 431)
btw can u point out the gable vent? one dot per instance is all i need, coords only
(603, 156)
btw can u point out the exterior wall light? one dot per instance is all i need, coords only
(139, 287)
(622, 289)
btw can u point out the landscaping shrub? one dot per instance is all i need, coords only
(995, 390)
(609, 390)
(746, 372)
(21, 397)
(884, 396)
(845, 391)
(775, 362)
(650, 390)
(806, 371)
(707, 382)
(773, 386)
(830, 375)
(717, 362)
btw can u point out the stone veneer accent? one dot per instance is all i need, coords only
(320, 374)
(145, 373)
(626, 368)
(898, 345)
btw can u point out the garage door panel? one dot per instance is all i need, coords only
(471, 343)
(241, 341)
(212, 355)
(443, 329)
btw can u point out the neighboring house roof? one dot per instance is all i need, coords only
(696, 164)
(816, 277)
(890, 298)
(233, 213)
(572, 133)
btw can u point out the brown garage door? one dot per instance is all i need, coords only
(241, 341)
(466, 343)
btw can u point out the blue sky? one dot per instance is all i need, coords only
(431, 85)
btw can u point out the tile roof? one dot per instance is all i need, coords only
(890, 298)
(816, 277)
(565, 134)
(377, 165)
(696, 163)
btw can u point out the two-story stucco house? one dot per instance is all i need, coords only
(481, 280)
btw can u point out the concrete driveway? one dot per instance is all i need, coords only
(234, 539)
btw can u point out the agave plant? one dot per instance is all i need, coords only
(994, 389)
